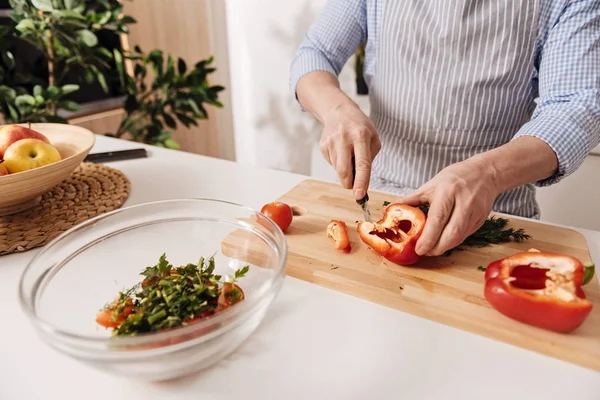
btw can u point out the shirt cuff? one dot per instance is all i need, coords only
(571, 133)
(305, 62)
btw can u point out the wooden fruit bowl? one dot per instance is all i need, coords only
(23, 190)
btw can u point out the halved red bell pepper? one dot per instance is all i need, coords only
(338, 231)
(395, 235)
(540, 289)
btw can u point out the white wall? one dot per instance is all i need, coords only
(270, 129)
(271, 132)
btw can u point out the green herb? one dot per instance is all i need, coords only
(170, 297)
(386, 203)
(480, 268)
(493, 231)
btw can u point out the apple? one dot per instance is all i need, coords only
(26, 154)
(3, 170)
(12, 133)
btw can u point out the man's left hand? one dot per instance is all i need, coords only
(460, 198)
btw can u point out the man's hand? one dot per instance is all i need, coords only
(348, 132)
(461, 196)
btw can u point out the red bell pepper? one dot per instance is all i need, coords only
(338, 231)
(395, 235)
(540, 289)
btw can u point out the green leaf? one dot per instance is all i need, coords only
(89, 76)
(66, 14)
(126, 19)
(87, 37)
(39, 100)
(185, 120)
(42, 5)
(66, 89)
(37, 90)
(181, 66)
(24, 99)
(119, 63)
(7, 93)
(72, 4)
(8, 59)
(14, 114)
(194, 106)
(102, 81)
(25, 25)
(104, 17)
(171, 144)
(69, 105)
(171, 123)
(53, 91)
(103, 51)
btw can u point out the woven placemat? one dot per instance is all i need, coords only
(91, 190)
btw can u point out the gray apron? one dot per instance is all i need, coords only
(453, 79)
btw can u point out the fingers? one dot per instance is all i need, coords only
(440, 210)
(455, 231)
(343, 162)
(362, 163)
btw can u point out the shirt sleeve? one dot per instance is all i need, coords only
(567, 116)
(331, 40)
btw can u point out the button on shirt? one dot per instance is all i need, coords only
(565, 78)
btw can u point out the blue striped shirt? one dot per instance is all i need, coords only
(565, 80)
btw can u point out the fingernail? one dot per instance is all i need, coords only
(359, 193)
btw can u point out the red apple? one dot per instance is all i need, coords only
(12, 133)
(26, 154)
(3, 170)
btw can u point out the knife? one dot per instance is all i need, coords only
(364, 202)
(118, 155)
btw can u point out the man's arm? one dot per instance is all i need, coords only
(347, 133)
(330, 42)
(564, 128)
(566, 123)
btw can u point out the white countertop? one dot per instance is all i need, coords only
(315, 343)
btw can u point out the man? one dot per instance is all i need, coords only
(453, 87)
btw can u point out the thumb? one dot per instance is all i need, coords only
(416, 198)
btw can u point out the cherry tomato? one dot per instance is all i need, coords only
(280, 213)
(105, 317)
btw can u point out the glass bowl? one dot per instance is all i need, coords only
(67, 283)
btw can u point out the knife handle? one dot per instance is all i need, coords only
(366, 197)
(118, 155)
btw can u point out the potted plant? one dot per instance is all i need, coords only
(66, 33)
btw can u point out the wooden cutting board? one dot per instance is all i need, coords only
(447, 290)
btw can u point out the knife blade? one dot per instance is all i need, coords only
(364, 202)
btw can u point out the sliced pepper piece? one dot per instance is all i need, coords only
(395, 235)
(338, 231)
(540, 289)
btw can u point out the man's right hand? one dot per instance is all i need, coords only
(347, 130)
(348, 133)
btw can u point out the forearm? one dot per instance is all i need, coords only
(524, 160)
(319, 93)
